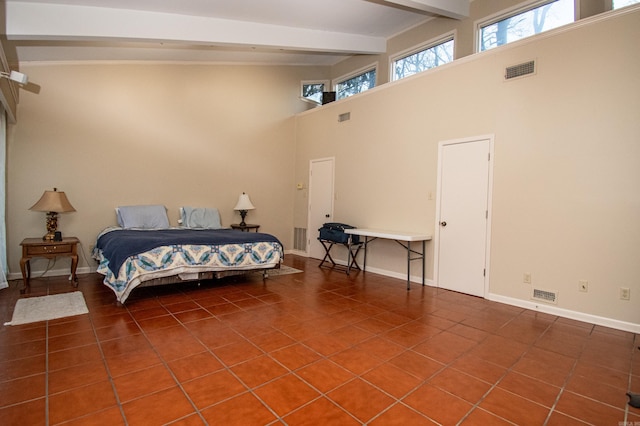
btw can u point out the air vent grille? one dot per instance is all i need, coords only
(344, 117)
(300, 239)
(545, 296)
(520, 70)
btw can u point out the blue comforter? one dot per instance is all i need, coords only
(118, 245)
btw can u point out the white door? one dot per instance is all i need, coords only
(463, 215)
(321, 175)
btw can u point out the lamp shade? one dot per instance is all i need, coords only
(53, 201)
(244, 203)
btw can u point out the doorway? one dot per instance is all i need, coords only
(321, 195)
(463, 215)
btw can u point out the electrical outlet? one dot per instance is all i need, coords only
(625, 293)
(526, 278)
(583, 286)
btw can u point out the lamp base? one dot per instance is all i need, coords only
(243, 214)
(52, 226)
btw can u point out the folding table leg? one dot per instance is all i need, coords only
(353, 255)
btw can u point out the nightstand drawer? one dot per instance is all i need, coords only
(49, 249)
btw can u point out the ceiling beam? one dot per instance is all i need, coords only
(47, 21)
(456, 9)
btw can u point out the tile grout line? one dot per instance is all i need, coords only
(106, 366)
(583, 354)
(360, 375)
(226, 367)
(422, 381)
(167, 368)
(46, 376)
(209, 350)
(629, 382)
(507, 371)
(407, 348)
(289, 371)
(494, 386)
(566, 381)
(230, 371)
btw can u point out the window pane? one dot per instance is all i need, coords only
(525, 24)
(622, 3)
(313, 92)
(357, 84)
(423, 60)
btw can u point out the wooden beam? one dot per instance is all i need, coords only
(456, 9)
(48, 21)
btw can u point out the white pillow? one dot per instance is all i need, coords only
(200, 217)
(145, 217)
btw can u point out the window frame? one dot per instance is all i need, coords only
(341, 79)
(327, 87)
(510, 12)
(429, 44)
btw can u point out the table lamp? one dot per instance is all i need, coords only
(52, 202)
(244, 204)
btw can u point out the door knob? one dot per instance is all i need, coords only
(443, 223)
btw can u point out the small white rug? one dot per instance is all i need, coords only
(44, 308)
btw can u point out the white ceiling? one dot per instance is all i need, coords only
(297, 32)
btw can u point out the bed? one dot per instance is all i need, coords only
(147, 251)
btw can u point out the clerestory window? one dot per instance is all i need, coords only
(617, 4)
(353, 84)
(422, 58)
(312, 90)
(524, 22)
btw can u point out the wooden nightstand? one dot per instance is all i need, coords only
(245, 228)
(37, 247)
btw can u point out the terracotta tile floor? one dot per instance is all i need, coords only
(313, 348)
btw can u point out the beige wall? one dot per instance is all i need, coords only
(566, 193)
(117, 134)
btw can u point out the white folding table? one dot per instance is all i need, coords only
(403, 238)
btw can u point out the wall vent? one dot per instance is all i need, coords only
(545, 296)
(346, 116)
(520, 70)
(300, 239)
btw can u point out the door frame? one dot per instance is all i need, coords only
(436, 253)
(309, 207)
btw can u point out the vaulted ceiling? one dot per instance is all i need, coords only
(300, 32)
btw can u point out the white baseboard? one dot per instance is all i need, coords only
(392, 274)
(566, 313)
(399, 275)
(297, 253)
(52, 273)
(552, 310)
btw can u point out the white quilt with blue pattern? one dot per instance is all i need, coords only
(264, 251)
